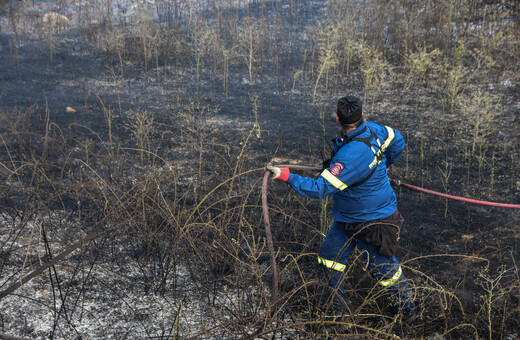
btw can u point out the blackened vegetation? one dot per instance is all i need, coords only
(151, 123)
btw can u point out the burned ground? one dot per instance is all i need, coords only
(162, 152)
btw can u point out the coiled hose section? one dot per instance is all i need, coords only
(267, 223)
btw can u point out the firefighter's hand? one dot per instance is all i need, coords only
(276, 171)
(281, 174)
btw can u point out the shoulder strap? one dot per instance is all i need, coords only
(326, 162)
(378, 155)
(354, 137)
(343, 143)
(365, 179)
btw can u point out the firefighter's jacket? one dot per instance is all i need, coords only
(351, 164)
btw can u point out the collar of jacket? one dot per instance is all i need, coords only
(338, 142)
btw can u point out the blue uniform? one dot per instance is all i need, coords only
(374, 199)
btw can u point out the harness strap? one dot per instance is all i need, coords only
(353, 137)
(378, 156)
(365, 179)
(367, 141)
(345, 141)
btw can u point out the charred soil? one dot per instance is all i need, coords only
(151, 126)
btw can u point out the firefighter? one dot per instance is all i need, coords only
(365, 206)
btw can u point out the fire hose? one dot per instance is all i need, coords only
(457, 198)
(397, 183)
(267, 223)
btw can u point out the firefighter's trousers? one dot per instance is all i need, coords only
(333, 255)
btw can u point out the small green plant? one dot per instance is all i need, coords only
(201, 36)
(445, 176)
(142, 127)
(87, 145)
(467, 166)
(325, 220)
(251, 42)
(459, 52)
(327, 62)
(492, 170)
(481, 159)
(349, 49)
(327, 55)
(195, 128)
(495, 288)
(420, 64)
(456, 83)
(256, 126)
(457, 76)
(480, 111)
(374, 68)
(176, 326)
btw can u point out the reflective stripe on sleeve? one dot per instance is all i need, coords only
(378, 156)
(333, 180)
(332, 264)
(391, 136)
(393, 279)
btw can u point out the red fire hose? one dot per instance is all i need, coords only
(267, 223)
(457, 198)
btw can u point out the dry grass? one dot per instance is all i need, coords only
(176, 199)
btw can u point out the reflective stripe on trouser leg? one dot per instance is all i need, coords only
(388, 271)
(336, 248)
(333, 255)
(332, 264)
(393, 279)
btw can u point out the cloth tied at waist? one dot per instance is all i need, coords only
(382, 233)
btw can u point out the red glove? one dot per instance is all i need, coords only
(281, 174)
